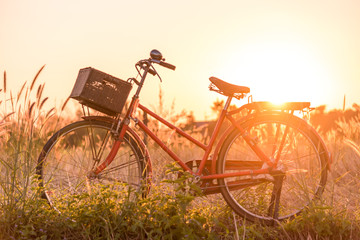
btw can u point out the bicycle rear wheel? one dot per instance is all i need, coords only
(66, 162)
(300, 174)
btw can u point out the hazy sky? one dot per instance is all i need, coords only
(283, 50)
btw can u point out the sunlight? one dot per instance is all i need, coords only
(278, 72)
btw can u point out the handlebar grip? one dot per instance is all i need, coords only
(167, 65)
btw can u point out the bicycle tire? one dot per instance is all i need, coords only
(303, 161)
(66, 161)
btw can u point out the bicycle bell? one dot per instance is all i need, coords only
(155, 54)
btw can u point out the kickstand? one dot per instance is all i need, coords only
(275, 196)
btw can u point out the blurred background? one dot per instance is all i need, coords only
(283, 50)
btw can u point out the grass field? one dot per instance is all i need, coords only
(169, 212)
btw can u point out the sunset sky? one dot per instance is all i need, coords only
(283, 50)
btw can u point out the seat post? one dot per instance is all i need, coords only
(227, 104)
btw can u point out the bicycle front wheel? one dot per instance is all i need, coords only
(297, 180)
(66, 164)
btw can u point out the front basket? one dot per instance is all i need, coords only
(101, 91)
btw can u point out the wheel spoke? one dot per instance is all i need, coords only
(275, 140)
(116, 168)
(97, 153)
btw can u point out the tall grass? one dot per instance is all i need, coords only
(25, 126)
(171, 211)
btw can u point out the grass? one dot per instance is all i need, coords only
(173, 209)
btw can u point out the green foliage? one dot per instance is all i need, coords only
(113, 214)
(321, 222)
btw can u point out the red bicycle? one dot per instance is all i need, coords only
(268, 165)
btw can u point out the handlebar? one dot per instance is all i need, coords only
(147, 66)
(156, 57)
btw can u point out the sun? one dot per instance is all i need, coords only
(278, 72)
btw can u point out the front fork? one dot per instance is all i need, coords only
(124, 124)
(113, 152)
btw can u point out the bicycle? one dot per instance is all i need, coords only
(268, 165)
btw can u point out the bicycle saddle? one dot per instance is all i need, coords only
(228, 89)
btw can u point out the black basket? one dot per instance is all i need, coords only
(101, 91)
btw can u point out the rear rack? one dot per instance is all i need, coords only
(269, 106)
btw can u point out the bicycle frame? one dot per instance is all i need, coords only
(207, 148)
